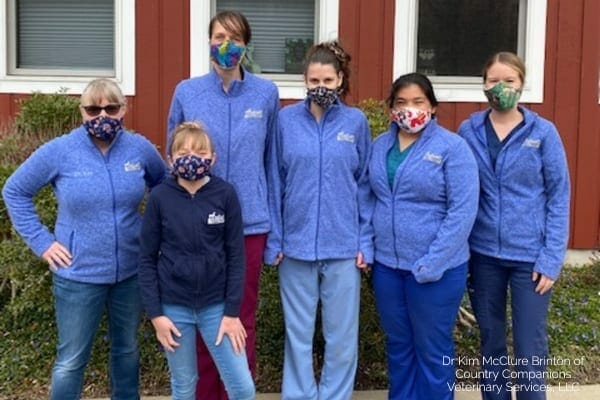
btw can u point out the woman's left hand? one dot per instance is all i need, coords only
(233, 328)
(544, 283)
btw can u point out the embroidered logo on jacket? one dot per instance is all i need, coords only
(535, 143)
(215, 219)
(132, 166)
(250, 113)
(436, 158)
(345, 137)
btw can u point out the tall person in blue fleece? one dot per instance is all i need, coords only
(99, 173)
(239, 110)
(192, 267)
(425, 182)
(520, 235)
(321, 235)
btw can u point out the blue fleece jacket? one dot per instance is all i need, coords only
(422, 223)
(524, 203)
(322, 202)
(192, 251)
(98, 198)
(240, 123)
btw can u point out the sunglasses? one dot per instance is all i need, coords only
(94, 111)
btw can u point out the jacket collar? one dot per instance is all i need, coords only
(236, 87)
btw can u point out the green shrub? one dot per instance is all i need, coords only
(40, 112)
(41, 117)
(377, 115)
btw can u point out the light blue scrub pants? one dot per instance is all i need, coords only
(336, 283)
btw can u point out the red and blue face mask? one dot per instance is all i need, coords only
(103, 128)
(410, 119)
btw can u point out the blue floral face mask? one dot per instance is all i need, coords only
(191, 167)
(103, 127)
(322, 96)
(227, 54)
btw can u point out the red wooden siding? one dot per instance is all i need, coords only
(367, 31)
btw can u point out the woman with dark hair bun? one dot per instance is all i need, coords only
(321, 235)
(425, 182)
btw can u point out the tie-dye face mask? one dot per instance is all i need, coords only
(227, 54)
(410, 119)
(502, 97)
(191, 167)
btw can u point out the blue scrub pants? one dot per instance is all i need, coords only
(418, 320)
(489, 281)
(336, 283)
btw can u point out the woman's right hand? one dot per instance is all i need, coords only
(165, 329)
(57, 255)
(278, 259)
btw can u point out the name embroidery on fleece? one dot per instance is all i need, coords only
(132, 166)
(435, 158)
(250, 113)
(345, 137)
(535, 143)
(215, 219)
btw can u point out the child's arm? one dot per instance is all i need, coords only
(150, 241)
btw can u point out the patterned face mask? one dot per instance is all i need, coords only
(103, 128)
(227, 54)
(410, 119)
(191, 167)
(502, 97)
(322, 96)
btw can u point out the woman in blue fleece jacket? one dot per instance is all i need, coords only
(520, 234)
(321, 232)
(239, 110)
(192, 267)
(425, 183)
(99, 173)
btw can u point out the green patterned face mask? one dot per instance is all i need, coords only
(502, 97)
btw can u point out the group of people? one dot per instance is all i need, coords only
(304, 189)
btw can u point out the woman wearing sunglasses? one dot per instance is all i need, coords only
(99, 173)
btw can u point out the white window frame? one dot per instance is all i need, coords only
(469, 89)
(74, 84)
(291, 86)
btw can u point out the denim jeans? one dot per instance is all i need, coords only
(489, 282)
(418, 319)
(336, 283)
(232, 368)
(79, 309)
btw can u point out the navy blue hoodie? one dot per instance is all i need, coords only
(192, 248)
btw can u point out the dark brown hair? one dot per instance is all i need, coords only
(331, 53)
(414, 78)
(234, 22)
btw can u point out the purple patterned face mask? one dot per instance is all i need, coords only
(322, 96)
(191, 167)
(227, 54)
(103, 128)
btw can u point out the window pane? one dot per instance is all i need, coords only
(65, 34)
(456, 37)
(282, 31)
